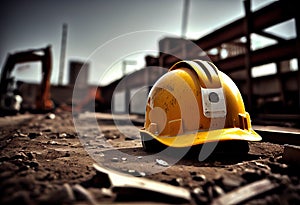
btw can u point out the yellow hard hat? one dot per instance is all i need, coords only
(192, 104)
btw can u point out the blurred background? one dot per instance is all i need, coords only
(49, 46)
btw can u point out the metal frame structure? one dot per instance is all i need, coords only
(244, 58)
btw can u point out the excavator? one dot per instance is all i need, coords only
(10, 98)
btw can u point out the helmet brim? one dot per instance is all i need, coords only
(201, 137)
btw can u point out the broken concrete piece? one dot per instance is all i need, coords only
(244, 193)
(291, 154)
(130, 188)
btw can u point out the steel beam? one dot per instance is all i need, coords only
(270, 15)
(279, 52)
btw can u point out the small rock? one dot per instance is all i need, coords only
(140, 157)
(217, 191)
(62, 135)
(100, 154)
(179, 181)
(50, 116)
(124, 159)
(142, 174)
(52, 142)
(22, 135)
(131, 171)
(198, 191)
(162, 162)
(107, 192)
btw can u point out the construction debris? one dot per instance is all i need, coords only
(130, 188)
(245, 192)
(291, 154)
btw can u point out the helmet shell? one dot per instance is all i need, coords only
(195, 103)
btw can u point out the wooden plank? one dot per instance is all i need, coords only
(132, 188)
(246, 192)
(280, 135)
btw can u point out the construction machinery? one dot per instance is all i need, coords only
(10, 97)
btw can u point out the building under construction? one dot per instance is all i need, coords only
(271, 98)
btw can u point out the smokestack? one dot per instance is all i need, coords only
(185, 18)
(62, 54)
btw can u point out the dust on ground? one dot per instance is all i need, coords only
(45, 159)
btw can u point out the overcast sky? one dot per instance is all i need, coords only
(105, 32)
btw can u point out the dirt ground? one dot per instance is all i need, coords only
(45, 159)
